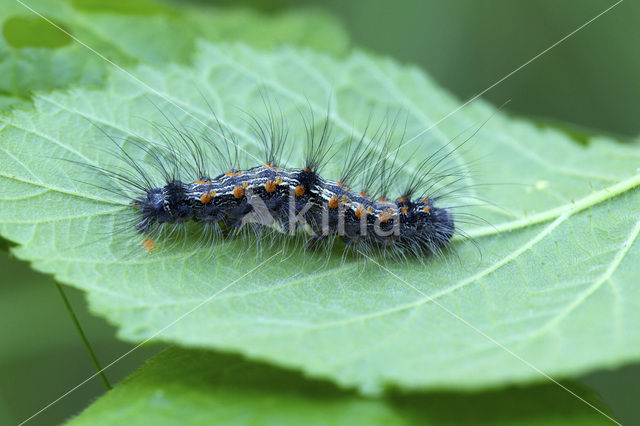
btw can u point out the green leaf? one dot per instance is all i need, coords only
(553, 279)
(196, 387)
(36, 56)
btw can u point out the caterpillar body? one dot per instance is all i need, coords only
(286, 199)
(291, 197)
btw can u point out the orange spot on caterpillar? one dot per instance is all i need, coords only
(270, 186)
(300, 190)
(404, 210)
(384, 217)
(363, 194)
(400, 199)
(238, 192)
(426, 209)
(425, 200)
(278, 181)
(391, 211)
(340, 183)
(306, 169)
(245, 185)
(333, 202)
(202, 182)
(268, 166)
(149, 245)
(345, 199)
(230, 174)
(360, 212)
(369, 209)
(383, 200)
(205, 198)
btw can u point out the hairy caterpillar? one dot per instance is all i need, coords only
(193, 178)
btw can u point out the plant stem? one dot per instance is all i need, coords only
(87, 345)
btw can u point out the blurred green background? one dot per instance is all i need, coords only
(589, 81)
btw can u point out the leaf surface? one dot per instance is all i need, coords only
(196, 387)
(553, 279)
(37, 56)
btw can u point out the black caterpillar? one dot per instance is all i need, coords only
(288, 199)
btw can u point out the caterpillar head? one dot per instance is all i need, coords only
(154, 208)
(162, 205)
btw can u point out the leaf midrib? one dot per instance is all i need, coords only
(583, 203)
